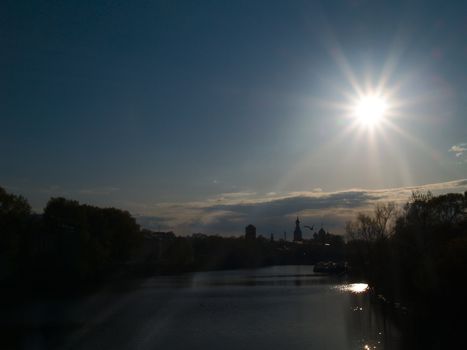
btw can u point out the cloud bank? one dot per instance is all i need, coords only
(228, 213)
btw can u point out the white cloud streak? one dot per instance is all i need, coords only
(459, 149)
(275, 213)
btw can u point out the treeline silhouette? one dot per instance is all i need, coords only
(71, 245)
(168, 253)
(416, 257)
(68, 244)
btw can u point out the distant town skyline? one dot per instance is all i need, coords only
(208, 116)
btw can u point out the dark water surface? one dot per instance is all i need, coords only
(280, 307)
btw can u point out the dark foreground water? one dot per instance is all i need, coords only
(282, 307)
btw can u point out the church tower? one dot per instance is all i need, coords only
(297, 234)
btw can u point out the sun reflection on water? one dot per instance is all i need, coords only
(369, 347)
(354, 287)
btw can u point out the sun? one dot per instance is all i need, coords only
(369, 110)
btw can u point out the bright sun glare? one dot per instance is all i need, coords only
(370, 109)
(354, 287)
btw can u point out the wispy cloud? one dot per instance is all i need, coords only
(234, 195)
(459, 149)
(275, 213)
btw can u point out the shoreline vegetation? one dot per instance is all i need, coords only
(82, 241)
(72, 248)
(417, 252)
(420, 249)
(415, 256)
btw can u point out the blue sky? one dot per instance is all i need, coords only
(156, 105)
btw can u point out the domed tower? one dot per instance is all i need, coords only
(297, 234)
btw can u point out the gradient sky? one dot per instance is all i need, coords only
(171, 109)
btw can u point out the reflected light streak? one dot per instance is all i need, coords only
(356, 288)
(398, 154)
(415, 141)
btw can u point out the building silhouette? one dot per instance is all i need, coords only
(321, 234)
(297, 234)
(250, 232)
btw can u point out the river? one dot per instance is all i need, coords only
(279, 307)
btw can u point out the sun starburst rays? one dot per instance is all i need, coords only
(372, 114)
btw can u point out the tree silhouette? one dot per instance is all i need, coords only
(14, 214)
